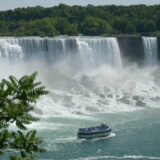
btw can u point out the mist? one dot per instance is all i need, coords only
(90, 78)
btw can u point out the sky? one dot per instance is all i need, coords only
(11, 4)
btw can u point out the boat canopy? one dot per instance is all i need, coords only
(102, 127)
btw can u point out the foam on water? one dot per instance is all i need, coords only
(75, 140)
(119, 157)
(102, 90)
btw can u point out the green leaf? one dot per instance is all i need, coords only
(16, 103)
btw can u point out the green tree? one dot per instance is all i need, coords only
(95, 26)
(130, 29)
(140, 25)
(72, 30)
(72, 20)
(158, 22)
(149, 26)
(2, 25)
(17, 98)
(62, 25)
(120, 24)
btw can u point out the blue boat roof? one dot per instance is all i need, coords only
(101, 127)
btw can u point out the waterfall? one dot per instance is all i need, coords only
(82, 73)
(33, 47)
(10, 49)
(97, 51)
(89, 51)
(150, 50)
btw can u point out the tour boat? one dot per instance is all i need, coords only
(94, 132)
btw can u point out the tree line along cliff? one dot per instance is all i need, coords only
(85, 20)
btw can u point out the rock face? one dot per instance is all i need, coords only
(132, 49)
(158, 48)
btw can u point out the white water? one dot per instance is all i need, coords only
(99, 51)
(120, 157)
(150, 51)
(10, 49)
(84, 75)
(87, 52)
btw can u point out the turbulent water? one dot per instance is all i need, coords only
(86, 77)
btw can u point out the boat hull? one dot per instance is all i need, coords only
(94, 135)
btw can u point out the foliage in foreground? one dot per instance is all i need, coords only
(17, 99)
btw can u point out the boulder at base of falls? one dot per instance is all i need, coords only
(124, 100)
(92, 109)
(140, 103)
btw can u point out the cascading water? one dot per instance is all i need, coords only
(91, 52)
(10, 49)
(150, 51)
(95, 52)
(83, 74)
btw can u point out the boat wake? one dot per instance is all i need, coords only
(120, 157)
(75, 139)
(64, 140)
